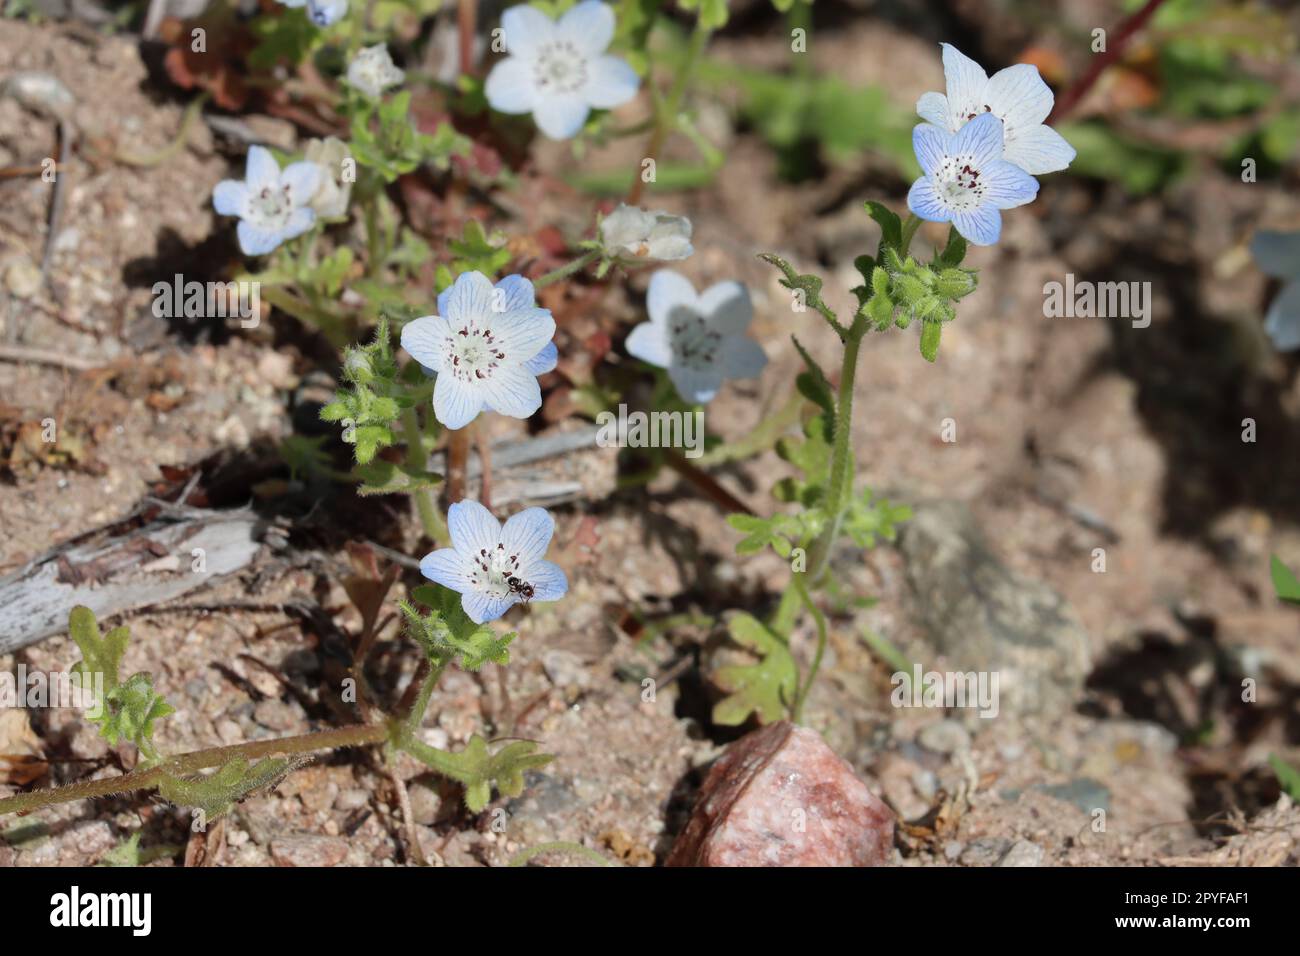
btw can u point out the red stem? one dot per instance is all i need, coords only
(1114, 48)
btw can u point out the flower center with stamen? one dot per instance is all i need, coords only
(473, 353)
(959, 183)
(559, 68)
(694, 344)
(271, 205)
(491, 570)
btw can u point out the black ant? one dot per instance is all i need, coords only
(522, 588)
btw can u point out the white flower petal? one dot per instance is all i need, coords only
(1038, 150)
(447, 567)
(511, 87)
(930, 144)
(726, 307)
(1276, 253)
(933, 108)
(696, 385)
(980, 226)
(649, 342)
(230, 197)
(470, 299)
(966, 82)
(589, 26)
(528, 535)
(255, 241)
(512, 390)
(482, 608)
(924, 200)
(980, 140)
(669, 289)
(455, 404)
(473, 529)
(1019, 97)
(523, 333)
(610, 82)
(561, 116)
(302, 179)
(519, 293)
(425, 340)
(300, 220)
(742, 357)
(548, 581)
(544, 361)
(525, 29)
(1007, 185)
(261, 169)
(1283, 321)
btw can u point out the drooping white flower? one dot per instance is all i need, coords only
(494, 567)
(558, 70)
(698, 337)
(487, 346)
(272, 203)
(964, 179)
(1017, 96)
(323, 13)
(634, 233)
(332, 156)
(1278, 255)
(372, 71)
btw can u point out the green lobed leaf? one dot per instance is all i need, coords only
(767, 688)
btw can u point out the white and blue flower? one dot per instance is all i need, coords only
(1017, 96)
(323, 13)
(559, 70)
(965, 180)
(272, 203)
(698, 337)
(494, 567)
(1278, 254)
(487, 345)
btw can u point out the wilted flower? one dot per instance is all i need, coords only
(632, 232)
(1017, 96)
(272, 203)
(333, 157)
(558, 70)
(699, 338)
(372, 71)
(1278, 255)
(494, 567)
(487, 347)
(964, 179)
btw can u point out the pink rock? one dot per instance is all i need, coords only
(781, 797)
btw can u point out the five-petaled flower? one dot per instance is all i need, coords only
(1278, 255)
(323, 13)
(271, 203)
(630, 232)
(372, 71)
(558, 70)
(487, 346)
(1017, 96)
(964, 179)
(699, 337)
(494, 567)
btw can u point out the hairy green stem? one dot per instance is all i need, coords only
(357, 735)
(568, 269)
(416, 716)
(430, 520)
(802, 693)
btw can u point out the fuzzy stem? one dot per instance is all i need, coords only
(802, 693)
(568, 269)
(357, 735)
(430, 520)
(421, 703)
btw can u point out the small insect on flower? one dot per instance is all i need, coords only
(1278, 255)
(487, 346)
(698, 337)
(272, 203)
(558, 70)
(965, 180)
(372, 71)
(1017, 96)
(492, 566)
(632, 233)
